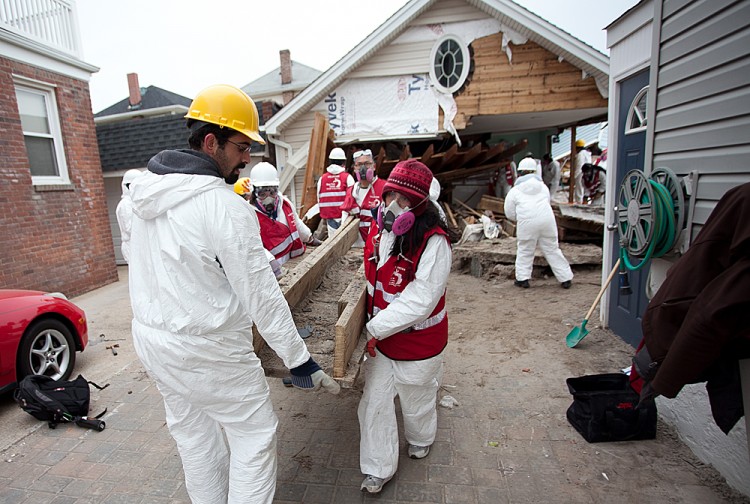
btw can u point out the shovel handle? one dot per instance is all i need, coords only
(604, 287)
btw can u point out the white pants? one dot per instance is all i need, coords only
(578, 189)
(219, 413)
(416, 383)
(552, 253)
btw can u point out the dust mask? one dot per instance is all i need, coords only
(391, 212)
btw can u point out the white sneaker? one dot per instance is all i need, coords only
(418, 452)
(373, 484)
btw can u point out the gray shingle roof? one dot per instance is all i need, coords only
(151, 97)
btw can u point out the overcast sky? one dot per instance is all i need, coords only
(183, 46)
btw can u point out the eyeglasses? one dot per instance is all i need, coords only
(266, 191)
(243, 148)
(364, 164)
(360, 153)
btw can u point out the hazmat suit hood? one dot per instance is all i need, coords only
(334, 169)
(530, 184)
(165, 185)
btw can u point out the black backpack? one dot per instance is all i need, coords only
(57, 401)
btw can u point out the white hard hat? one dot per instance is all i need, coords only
(527, 165)
(337, 153)
(129, 177)
(264, 175)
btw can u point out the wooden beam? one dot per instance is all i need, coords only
(449, 213)
(348, 332)
(352, 289)
(308, 273)
(492, 203)
(316, 160)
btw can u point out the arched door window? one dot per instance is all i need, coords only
(638, 113)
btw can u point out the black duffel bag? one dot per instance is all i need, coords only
(605, 408)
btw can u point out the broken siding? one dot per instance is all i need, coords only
(401, 58)
(702, 114)
(296, 135)
(536, 81)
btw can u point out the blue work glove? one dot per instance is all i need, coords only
(309, 376)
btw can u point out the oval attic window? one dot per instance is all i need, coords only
(450, 62)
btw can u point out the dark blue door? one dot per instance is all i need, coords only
(625, 311)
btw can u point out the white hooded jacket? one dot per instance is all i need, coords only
(528, 203)
(124, 214)
(198, 266)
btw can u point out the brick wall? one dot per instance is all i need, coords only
(53, 238)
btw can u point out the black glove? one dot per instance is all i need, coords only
(309, 376)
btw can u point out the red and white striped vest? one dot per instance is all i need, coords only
(424, 339)
(281, 240)
(365, 211)
(332, 194)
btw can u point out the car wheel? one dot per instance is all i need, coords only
(47, 348)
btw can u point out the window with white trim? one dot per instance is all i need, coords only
(37, 107)
(638, 113)
(450, 63)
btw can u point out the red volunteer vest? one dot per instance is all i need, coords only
(332, 194)
(424, 339)
(281, 240)
(364, 212)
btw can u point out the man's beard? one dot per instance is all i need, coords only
(234, 177)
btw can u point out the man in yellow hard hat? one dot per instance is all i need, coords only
(199, 279)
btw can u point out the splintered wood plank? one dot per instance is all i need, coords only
(492, 203)
(461, 159)
(427, 154)
(316, 159)
(405, 153)
(348, 332)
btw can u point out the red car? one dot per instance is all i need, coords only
(40, 333)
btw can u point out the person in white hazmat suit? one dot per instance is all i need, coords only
(124, 212)
(528, 203)
(407, 263)
(199, 278)
(582, 157)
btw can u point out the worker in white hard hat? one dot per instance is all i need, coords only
(332, 188)
(199, 279)
(124, 212)
(528, 203)
(283, 233)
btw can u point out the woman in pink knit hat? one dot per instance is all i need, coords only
(407, 262)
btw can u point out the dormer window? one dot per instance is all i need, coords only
(450, 62)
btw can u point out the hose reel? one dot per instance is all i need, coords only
(650, 215)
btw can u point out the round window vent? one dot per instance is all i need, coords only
(450, 62)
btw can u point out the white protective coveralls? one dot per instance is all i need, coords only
(551, 176)
(415, 382)
(198, 280)
(335, 169)
(124, 214)
(528, 203)
(579, 160)
(434, 195)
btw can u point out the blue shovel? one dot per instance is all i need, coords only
(578, 333)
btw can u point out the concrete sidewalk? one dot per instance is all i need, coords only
(520, 453)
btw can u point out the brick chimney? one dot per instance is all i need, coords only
(286, 74)
(135, 90)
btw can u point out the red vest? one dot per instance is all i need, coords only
(365, 211)
(281, 240)
(332, 194)
(424, 339)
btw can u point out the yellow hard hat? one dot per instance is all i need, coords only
(227, 106)
(243, 186)
(580, 143)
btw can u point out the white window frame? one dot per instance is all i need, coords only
(53, 118)
(465, 69)
(634, 110)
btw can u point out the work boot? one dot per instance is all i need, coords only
(522, 283)
(566, 284)
(418, 452)
(373, 484)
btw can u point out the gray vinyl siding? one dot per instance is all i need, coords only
(702, 116)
